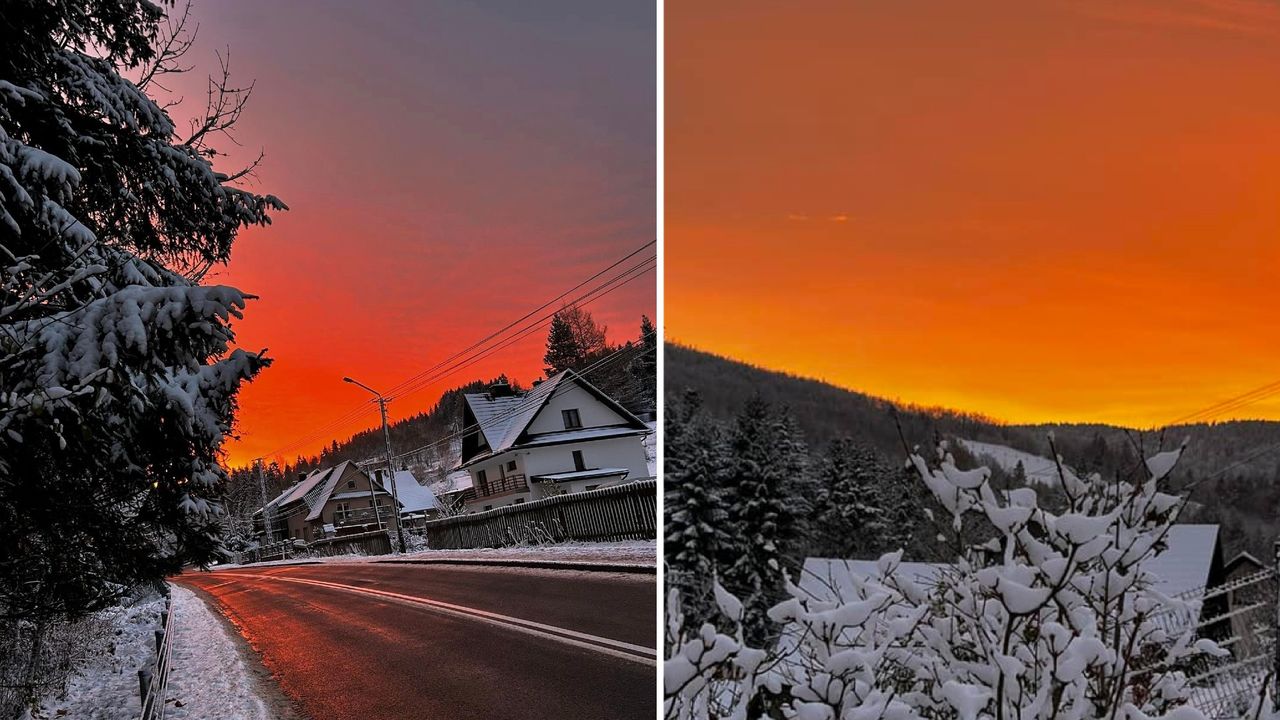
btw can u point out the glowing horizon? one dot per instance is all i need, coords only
(1049, 212)
(448, 168)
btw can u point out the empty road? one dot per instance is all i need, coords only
(374, 641)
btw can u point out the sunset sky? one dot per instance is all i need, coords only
(1039, 211)
(448, 167)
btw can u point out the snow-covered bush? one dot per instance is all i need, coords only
(117, 374)
(1054, 617)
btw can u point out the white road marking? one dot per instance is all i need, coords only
(607, 646)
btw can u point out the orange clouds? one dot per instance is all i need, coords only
(1049, 213)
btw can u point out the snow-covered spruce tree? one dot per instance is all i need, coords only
(762, 517)
(849, 518)
(695, 515)
(117, 382)
(1059, 619)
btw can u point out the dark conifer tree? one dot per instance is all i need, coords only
(694, 511)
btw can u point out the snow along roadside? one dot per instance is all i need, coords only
(210, 677)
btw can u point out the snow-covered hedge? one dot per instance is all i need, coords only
(1054, 618)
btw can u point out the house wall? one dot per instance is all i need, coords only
(494, 469)
(591, 411)
(621, 452)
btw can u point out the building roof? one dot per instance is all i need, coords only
(454, 482)
(317, 497)
(412, 495)
(503, 420)
(1243, 558)
(1183, 568)
(315, 489)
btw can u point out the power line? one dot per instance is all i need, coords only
(417, 381)
(1233, 403)
(591, 296)
(526, 316)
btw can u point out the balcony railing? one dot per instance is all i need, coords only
(360, 516)
(504, 486)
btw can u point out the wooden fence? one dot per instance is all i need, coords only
(374, 542)
(624, 512)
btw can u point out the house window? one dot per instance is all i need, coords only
(519, 500)
(351, 484)
(482, 480)
(591, 487)
(571, 419)
(578, 462)
(341, 512)
(488, 507)
(511, 466)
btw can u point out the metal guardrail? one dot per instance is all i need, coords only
(154, 680)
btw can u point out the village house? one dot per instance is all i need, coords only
(563, 436)
(327, 503)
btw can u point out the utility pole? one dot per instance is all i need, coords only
(391, 473)
(262, 493)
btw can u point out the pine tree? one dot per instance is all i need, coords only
(118, 380)
(644, 367)
(693, 507)
(562, 350)
(850, 514)
(761, 516)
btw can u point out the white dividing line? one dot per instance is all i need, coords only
(607, 646)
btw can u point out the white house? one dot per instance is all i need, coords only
(563, 436)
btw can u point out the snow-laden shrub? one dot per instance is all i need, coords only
(1054, 617)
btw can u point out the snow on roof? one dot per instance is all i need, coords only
(317, 497)
(1038, 469)
(299, 489)
(456, 481)
(1181, 569)
(1184, 567)
(1243, 558)
(503, 420)
(412, 495)
(594, 433)
(582, 474)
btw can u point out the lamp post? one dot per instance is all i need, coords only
(391, 473)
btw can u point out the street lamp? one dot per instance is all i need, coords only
(391, 473)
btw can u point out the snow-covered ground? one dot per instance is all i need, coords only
(1039, 469)
(105, 686)
(626, 552)
(208, 677)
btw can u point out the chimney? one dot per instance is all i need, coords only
(500, 389)
(537, 382)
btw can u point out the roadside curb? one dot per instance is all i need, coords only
(538, 564)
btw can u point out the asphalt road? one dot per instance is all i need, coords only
(364, 641)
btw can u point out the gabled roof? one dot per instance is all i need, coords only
(504, 420)
(318, 496)
(413, 496)
(299, 489)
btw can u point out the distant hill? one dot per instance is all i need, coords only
(1237, 463)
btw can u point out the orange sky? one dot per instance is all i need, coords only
(1034, 210)
(448, 168)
